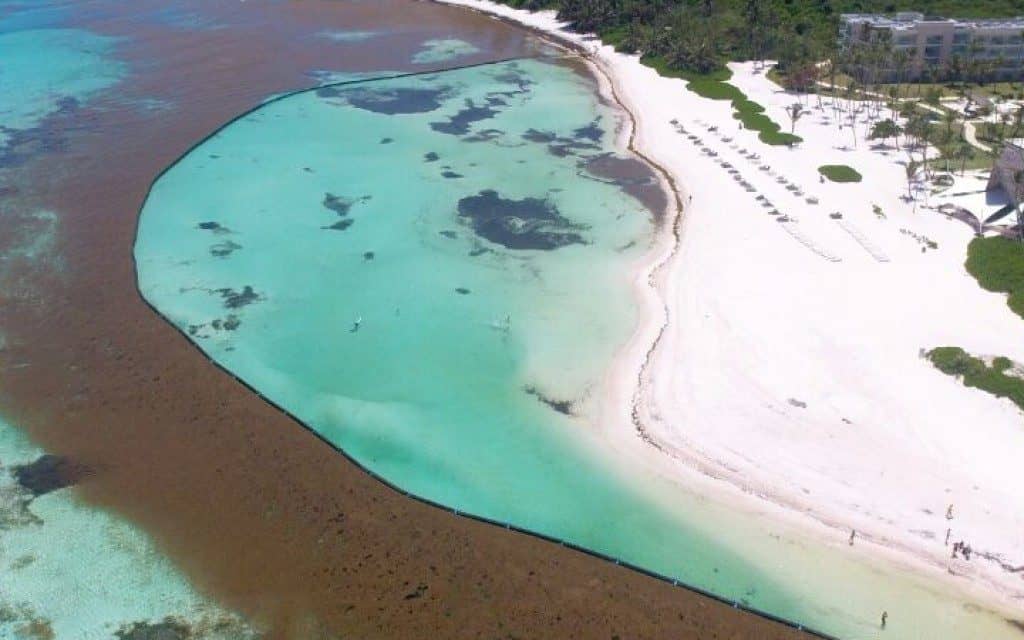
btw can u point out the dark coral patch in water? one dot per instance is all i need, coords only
(430, 156)
(462, 291)
(458, 124)
(450, 175)
(449, 234)
(386, 140)
(530, 223)
(49, 473)
(369, 255)
(389, 101)
(238, 299)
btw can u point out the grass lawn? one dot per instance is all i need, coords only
(998, 265)
(918, 90)
(975, 373)
(840, 173)
(715, 86)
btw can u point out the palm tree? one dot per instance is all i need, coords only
(911, 172)
(963, 152)
(885, 129)
(794, 111)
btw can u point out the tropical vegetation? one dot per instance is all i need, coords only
(997, 264)
(700, 36)
(996, 378)
(840, 173)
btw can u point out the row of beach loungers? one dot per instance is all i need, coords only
(786, 222)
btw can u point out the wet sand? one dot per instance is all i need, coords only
(257, 511)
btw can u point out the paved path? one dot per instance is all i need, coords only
(971, 136)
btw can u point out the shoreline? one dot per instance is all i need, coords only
(643, 358)
(100, 380)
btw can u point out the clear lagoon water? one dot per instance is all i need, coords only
(431, 273)
(425, 271)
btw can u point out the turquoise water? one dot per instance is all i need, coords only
(325, 249)
(431, 274)
(44, 70)
(70, 571)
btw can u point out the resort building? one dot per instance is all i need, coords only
(935, 48)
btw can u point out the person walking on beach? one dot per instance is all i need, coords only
(885, 618)
(853, 534)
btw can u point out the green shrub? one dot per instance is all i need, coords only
(954, 361)
(714, 86)
(840, 173)
(998, 265)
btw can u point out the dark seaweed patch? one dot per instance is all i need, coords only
(390, 101)
(450, 175)
(633, 177)
(530, 223)
(462, 291)
(514, 76)
(449, 234)
(479, 251)
(340, 225)
(338, 204)
(47, 137)
(169, 629)
(215, 227)
(49, 473)
(591, 132)
(238, 299)
(386, 140)
(558, 146)
(544, 137)
(485, 136)
(430, 156)
(458, 124)
(561, 406)
(224, 249)
(369, 255)
(229, 323)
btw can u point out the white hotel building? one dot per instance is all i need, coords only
(936, 44)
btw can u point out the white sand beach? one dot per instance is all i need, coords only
(789, 376)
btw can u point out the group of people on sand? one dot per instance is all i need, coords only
(962, 547)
